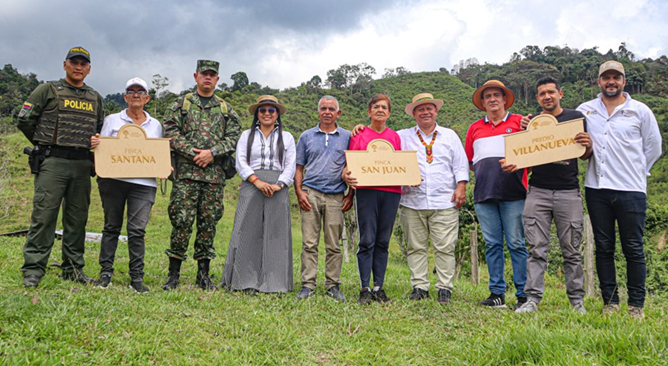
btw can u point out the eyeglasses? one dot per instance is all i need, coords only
(267, 110)
(131, 92)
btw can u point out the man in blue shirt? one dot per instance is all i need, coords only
(320, 192)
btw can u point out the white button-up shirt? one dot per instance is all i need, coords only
(450, 166)
(153, 128)
(264, 155)
(626, 144)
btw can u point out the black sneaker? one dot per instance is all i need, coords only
(381, 297)
(104, 282)
(31, 281)
(77, 275)
(494, 301)
(444, 296)
(366, 297)
(139, 287)
(305, 293)
(418, 294)
(520, 301)
(335, 293)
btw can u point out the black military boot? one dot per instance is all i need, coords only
(173, 275)
(203, 280)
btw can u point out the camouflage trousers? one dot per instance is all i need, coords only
(192, 200)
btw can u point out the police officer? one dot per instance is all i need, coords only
(203, 129)
(59, 119)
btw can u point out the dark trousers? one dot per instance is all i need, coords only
(376, 211)
(115, 195)
(60, 182)
(628, 209)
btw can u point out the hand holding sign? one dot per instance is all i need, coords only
(545, 141)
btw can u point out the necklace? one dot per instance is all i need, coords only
(428, 148)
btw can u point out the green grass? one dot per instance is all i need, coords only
(65, 323)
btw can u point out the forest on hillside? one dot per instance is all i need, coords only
(353, 85)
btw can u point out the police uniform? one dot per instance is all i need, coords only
(60, 118)
(197, 192)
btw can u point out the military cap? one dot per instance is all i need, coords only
(78, 51)
(206, 65)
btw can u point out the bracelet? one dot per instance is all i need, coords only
(254, 180)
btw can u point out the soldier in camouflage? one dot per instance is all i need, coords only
(59, 118)
(203, 129)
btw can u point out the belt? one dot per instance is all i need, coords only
(71, 153)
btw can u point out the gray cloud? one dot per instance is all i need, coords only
(283, 43)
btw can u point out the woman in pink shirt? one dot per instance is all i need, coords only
(376, 206)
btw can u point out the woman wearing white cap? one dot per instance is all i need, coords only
(137, 193)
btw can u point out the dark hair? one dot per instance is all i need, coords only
(377, 98)
(547, 80)
(482, 92)
(280, 147)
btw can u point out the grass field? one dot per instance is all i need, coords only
(65, 323)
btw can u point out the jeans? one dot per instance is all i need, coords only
(628, 209)
(115, 194)
(498, 219)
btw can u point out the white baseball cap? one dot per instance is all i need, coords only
(136, 81)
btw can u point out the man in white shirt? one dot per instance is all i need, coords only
(430, 210)
(138, 194)
(627, 142)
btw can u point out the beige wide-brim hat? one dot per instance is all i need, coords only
(267, 100)
(477, 96)
(420, 99)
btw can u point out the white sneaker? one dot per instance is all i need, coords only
(528, 307)
(580, 308)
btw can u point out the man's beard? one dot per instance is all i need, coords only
(612, 94)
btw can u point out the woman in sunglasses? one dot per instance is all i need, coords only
(259, 258)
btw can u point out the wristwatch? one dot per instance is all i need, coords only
(214, 152)
(280, 184)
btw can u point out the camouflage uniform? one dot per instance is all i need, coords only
(198, 192)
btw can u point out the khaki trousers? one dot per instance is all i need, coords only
(325, 215)
(442, 227)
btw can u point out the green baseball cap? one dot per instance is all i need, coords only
(206, 65)
(78, 51)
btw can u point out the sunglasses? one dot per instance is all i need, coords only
(132, 92)
(265, 110)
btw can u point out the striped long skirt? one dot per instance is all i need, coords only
(260, 252)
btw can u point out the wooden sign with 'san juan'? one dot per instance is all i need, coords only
(544, 141)
(132, 155)
(380, 165)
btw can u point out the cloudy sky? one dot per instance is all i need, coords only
(282, 43)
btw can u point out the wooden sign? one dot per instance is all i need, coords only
(132, 155)
(380, 165)
(544, 141)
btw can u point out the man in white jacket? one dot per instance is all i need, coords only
(626, 142)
